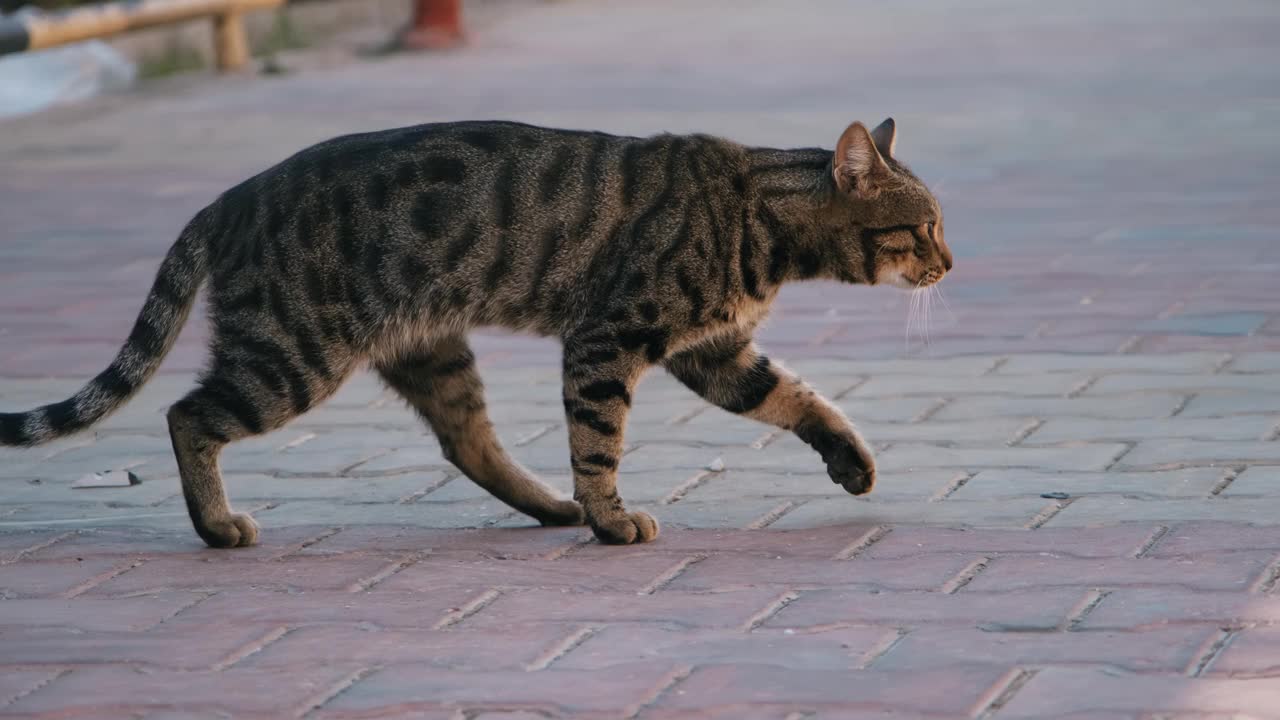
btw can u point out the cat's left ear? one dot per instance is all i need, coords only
(886, 137)
(858, 167)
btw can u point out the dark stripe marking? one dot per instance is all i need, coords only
(603, 390)
(753, 387)
(443, 169)
(592, 419)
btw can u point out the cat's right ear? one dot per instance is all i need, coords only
(858, 167)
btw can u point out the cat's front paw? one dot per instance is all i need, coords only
(848, 457)
(852, 466)
(625, 528)
(238, 530)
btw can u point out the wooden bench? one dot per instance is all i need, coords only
(231, 43)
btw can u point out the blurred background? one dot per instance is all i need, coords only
(1106, 169)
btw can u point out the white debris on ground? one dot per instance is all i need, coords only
(36, 80)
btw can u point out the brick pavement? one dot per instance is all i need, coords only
(1114, 344)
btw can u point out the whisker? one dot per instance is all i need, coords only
(946, 306)
(906, 332)
(917, 314)
(928, 300)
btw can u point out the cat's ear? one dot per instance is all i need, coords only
(857, 166)
(886, 137)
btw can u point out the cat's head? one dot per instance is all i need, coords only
(897, 220)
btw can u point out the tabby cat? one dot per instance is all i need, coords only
(386, 248)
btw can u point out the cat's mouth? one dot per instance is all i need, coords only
(901, 280)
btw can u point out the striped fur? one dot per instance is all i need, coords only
(386, 248)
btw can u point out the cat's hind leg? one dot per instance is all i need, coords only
(440, 382)
(254, 386)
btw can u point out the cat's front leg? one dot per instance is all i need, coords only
(730, 372)
(599, 377)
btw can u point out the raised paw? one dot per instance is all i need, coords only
(238, 530)
(848, 457)
(626, 528)
(563, 512)
(851, 466)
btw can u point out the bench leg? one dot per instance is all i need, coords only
(230, 41)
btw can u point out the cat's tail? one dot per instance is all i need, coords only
(154, 332)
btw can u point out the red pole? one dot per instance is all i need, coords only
(437, 24)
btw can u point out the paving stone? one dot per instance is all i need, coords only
(1256, 481)
(144, 543)
(1139, 382)
(822, 543)
(1184, 483)
(1255, 363)
(993, 431)
(1167, 650)
(16, 682)
(1204, 573)
(954, 366)
(833, 649)
(311, 573)
(666, 608)
(887, 410)
(737, 483)
(256, 488)
(1240, 323)
(403, 687)
(1138, 608)
(475, 543)
(724, 572)
(1164, 452)
(187, 648)
(602, 574)
(1028, 364)
(84, 515)
(293, 608)
(952, 692)
(1079, 457)
(849, 511)
(462, 514)
(1107, 510)
(121, 691)
(1251, 654)
(114, 453)
(1201, 538)
(153, 490)
(46, 578)
(697, 513)
(1090, 542)
(1138, 407)
(1060, 429)
(709, 427)
(1232, 403)
(17, 545)
(512, 648)
(95, 614)
(1058, 385)
(1056, 692)
(416, 460)
(1027, 610)
(912, 457)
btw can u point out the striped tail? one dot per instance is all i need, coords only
(157, 327)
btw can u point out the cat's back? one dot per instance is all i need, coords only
(477, 143)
